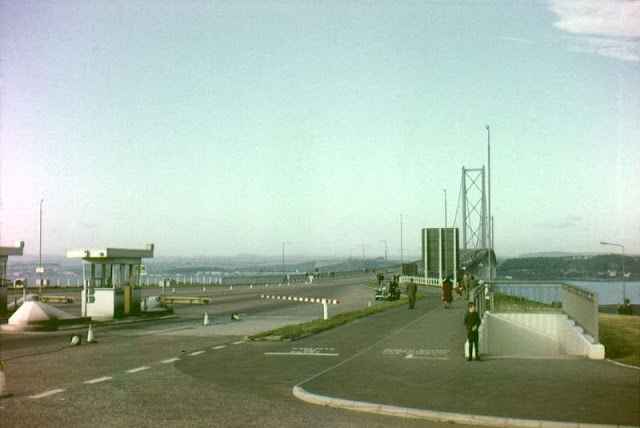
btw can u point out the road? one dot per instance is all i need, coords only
(178, 372)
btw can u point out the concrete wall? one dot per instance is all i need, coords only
(535, 335)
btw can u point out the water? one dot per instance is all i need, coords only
(610, 292)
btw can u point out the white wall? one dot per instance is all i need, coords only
(535, 335)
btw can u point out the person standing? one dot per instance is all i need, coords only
(447, 295)
(412, 288)
(466, 283)
(472, 323)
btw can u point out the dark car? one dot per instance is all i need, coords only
(388, 290)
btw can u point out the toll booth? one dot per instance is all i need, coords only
(111, 281)
(5, 252)
(441, 253)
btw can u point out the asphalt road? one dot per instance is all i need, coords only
(177, 372)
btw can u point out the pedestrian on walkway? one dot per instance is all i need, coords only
(472, 323)
(412, 287)
(466, 283)
(447, 295)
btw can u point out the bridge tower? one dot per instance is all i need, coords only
(477, 240)
(474, 209)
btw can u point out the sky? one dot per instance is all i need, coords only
(325, 128)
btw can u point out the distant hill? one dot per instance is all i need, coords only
(555, 254)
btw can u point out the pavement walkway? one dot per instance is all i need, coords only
(414, 366)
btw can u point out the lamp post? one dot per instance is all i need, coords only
(401, 249)
(40, 268)
(445, 207)
(385, 249)
(624, 291)
(489, 224)
(490, 219)
(283, 242)
(363, 264)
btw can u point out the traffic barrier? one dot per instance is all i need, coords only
(3, 383)
(325, 302)
(302, 299)
(57, 299)
(185, 300)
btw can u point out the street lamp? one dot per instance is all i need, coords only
(385, 249)
(489, 224)
(363, 264)
(40, 268)
(401, 249)
(445, 208)
(624, 291)
(283, 242)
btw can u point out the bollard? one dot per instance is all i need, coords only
(3, 383)
(326, 308)
(90, 338)
(206, 318)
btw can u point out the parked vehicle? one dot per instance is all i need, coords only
(388, 290)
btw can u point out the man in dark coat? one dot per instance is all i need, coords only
(447, 295)
(412, 287)
(472, 323)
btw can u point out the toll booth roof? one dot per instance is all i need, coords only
(12, 251)
(111, 253)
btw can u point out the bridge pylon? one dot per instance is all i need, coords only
(476, 229)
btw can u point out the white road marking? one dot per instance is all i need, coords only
(215, 348)
(46, 394)
(98, 380)
(170, 360)
(193, 354)
(138, 369)
(239, 342)
(309, 354)
(419, 357)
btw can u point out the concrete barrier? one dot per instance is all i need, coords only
(536, 334)
(57, 299)
(185, 300)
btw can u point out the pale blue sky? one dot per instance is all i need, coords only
(217, 128)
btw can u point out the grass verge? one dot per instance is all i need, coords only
(297, 331)
(620, 335)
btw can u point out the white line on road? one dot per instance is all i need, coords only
(98, 380)
(310, 354)
(138, 369)
(193, 354)
(170, 360)
(47, 393)
(215, 348)
(418, 357)
(239, 342)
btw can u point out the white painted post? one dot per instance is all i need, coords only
(326, 308)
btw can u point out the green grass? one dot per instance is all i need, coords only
(620, 335)
(507, 303)
(296, 331)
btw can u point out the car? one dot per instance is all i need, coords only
(388, 290)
